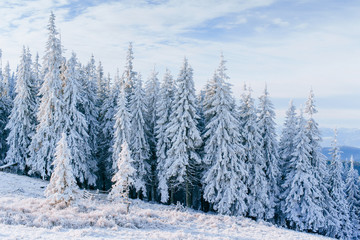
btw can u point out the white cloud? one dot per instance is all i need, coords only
(319, 53)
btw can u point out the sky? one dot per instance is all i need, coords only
(291, 46)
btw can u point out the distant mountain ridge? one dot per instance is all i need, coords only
(346, 153)
(346, 137)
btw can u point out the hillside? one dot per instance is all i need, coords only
(24, 214)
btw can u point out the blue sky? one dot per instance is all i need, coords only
(292, 46)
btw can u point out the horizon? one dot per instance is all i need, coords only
(293, 47)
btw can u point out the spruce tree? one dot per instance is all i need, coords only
(342, 229)
(22, 122)
(106, 135)
(353, 197)
(129, 74)
(163, 106)
(152, 94)
(224, 180)
(124, 177)
(318, 163)
(267, 129)
(185, 137)
(301, 208)
(89, 104)
(49, 116)
(138, 142)
(62, 187)
(258, 188)
(121, 127)
(286, 149)
(75, 126)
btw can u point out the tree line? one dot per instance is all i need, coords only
(169, 144)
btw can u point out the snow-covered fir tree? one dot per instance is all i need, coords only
(342, 229)
(163, 107)
(318, 163)
(101, 84)
(49, 116)
(90, 103)
(9, 82)
(37, 72)
(267, 128)
(75, 126)
(121, 127)
(286, 149)
(258, 200)
(22, 122)
(5, 109)
(152, 88)
(124, 177)
(353, 197)
(224, 180)
(129, 74)
(62, 187)
(138, 139)
(301, 207)
(185, 137)
(106, 135)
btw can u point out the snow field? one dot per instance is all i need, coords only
(25, 214)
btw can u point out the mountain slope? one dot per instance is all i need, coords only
(24, 214)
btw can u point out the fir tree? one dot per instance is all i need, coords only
(62, 187)
(185, 137)
(301, 208)
(75, 126)
(121, 127)
(225, 179)
(353, 197)
(22, 131)
(258, 188)
(89, 104)
(9, 82)
(152, 94)
(124, 177)
(139, 143)
(286, 149)
(49, 116)
(342, 228)
(129, 74)
(37, 72)
(106, 136)
(269, 147)
(163, 106)
(318, 163)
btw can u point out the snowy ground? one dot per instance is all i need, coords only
(24, 214)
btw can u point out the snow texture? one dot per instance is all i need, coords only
(24, 214)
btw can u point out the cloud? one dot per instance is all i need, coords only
(290, 46)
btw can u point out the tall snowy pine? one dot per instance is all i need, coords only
(163, 106)
(124, 177)
(152, 94)
(62, 187)
(138, 142)
(267, 128)
(318, 163)
(185, 137)
(301, 208)
(121, 127)
(342, 228)
(225, 178)
(353, 197)
(75, 126)
(49, 115)
(259, 205)
(22, 123)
